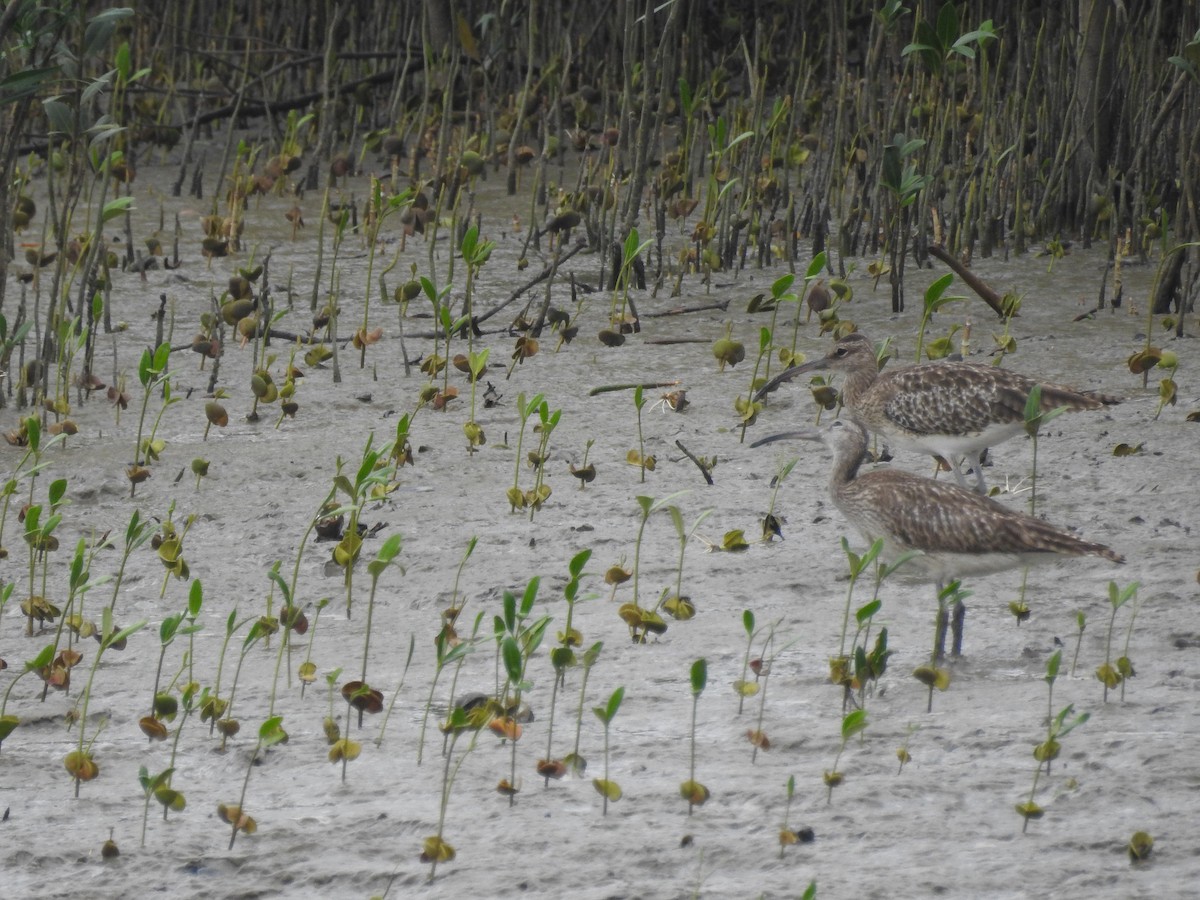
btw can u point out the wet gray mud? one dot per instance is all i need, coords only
(945, 824)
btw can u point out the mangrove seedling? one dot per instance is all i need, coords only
(935, 298)
(563, 658)
(412, 643)
(678, 605)
(137, 532)
(1112, 675)
(307, 673)
(1058, 726)
(743, 686)
(152, 373)
(748, 408)
(691, 790)
(852, 723)
(1080, 625)
(516, 496)
(518, 642)
(447, 651)
(789, 837)
(772, 525)
(761, 667)
(606, 787)
(270, 733)
(1035, 418)
(435, 848)
(638, 457)
(574, 760)
(79, 762)
(472, 429)
(933, 675)
(9, 723)
(641, 621)
(902, 753)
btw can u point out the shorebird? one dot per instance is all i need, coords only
(954, 531)
(949, 409)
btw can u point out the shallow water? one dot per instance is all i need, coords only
(944, 825)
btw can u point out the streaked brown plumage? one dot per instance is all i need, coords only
(955, 531)
(947, 409)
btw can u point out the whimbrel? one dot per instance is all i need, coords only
(948, 409)
(955, 531)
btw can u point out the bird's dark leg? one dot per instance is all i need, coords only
(943, 619)
(960, 615)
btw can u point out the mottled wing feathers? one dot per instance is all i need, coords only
(934, 516)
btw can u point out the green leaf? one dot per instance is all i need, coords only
(748, 622)
(853, 723)
(699, 676)
(195, 599)
(614, 704)
(510, 651)
(114, 209)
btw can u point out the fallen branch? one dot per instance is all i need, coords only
(705, 468)
(974, 282)
(632, 386)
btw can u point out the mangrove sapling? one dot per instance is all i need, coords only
(379, 209)
(270, 733)
(563, 658)
(8, 723)
(762, 666)
(212, 707)
(472, 429)
(162, 704)
(383, 559)
(152, 372)
(435, 848)
(536, 496)
(229, 726)
(1057, 726)
(695, 793)
(474, 253)
(840, 665)
(518, 642)
(606, 787)
(639, 458)
(412, 643)
(743, 686)
(932, 675)
(41, 540)
(902, 753)
(307, 673)
(573, 760)
(458, 664)
(1124, 663)
(165, 793)
(772, 526)
(935, 299)
(642, 621)
(788, 837)
(748, 408)
(1110, 675)
(446, 651)
(852, 723)
(79, 761)
(516, 496)
(789, 356)
(679, 605)
(31, 429)
(291, 619)
(1080, 624)
(372, 480)
(169, 544)
(1035, 418)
